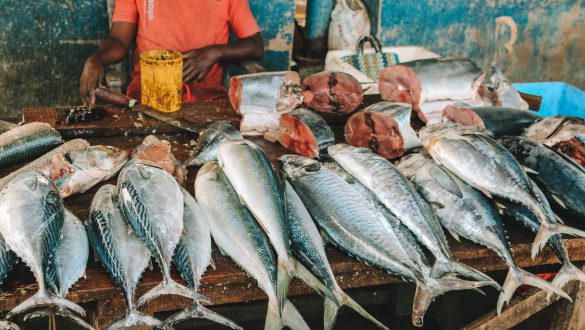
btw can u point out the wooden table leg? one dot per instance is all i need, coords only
(571, 315)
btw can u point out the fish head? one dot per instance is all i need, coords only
(160, 152)
(294, 165)
(209, 171)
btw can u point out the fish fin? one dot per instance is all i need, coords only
(211, 262)
(549, 229)
(566, 274)
(330, 313)
(442, 268)
(559, 201)
(454, 234)
(487, 193)
(43, 299)
(60, 312)
(283, 277)
(171, 287)
(302, 273)
(197, 311)
(134, 318)
(292, 318)
(500, 205)
(436, 205)
(529, 170)
(273, 321)
(346, 300)
(517, 277)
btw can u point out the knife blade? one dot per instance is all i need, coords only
(122, 100)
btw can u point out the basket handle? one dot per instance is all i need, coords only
(372, 40)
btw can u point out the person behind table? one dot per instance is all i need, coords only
(198, 29)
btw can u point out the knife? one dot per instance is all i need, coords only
(122, 100)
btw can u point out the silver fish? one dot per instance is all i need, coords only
(67, 266)
(147, 193)
(262, 191)
(209, 140)
(335, 206)
(31, 218)
(393, 190)
(473, 156)
(43, 163)
(27, 142)
(465, 212)
(192, 257)
(238, 235)
(77, 171)
(308, 247)
(120, 251)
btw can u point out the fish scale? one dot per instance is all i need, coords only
(27, 141)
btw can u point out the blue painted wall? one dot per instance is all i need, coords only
(44, 43)
(538, 40)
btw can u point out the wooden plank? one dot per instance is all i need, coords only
(571, 315)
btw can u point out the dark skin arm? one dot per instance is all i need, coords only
(198, 62)
(111, 50)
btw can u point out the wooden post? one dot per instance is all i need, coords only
(571, 315)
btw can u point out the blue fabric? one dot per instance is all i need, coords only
(558, 98)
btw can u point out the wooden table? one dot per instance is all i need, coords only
(228, 283)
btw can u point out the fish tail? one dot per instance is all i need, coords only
(60, 312)
(43, 298)
(292, 318)
(170, 287)
(283, 278)
(196, 311)
(566, 274)
(273, 320)
(517, 277)
(547, 230)
(344, 299)
(442, 268)
(136, 318)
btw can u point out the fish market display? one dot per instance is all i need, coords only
(43, 163)
(238, 235)
(396, 193)
(555, 129)
(562, 179)
(303, 132)
(152, 204)
(473, 156)
(500, 121)
(465, 212)
(31, 218)
(573, 148)
(262, 97)
(253, 177)
(209, 140)
(120, 251)
(383, 127)
(335, 206)
(26, 142)
(192, 257)
(67, 265)
(307, 246)
(159, 152)
(77, 171)
(437, 79)
(332, 92)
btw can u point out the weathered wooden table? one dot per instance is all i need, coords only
(227, 283)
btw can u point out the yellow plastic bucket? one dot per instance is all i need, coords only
(162, 79)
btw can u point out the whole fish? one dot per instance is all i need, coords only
(43, 163)
(393, 190)
(465, 212)
(499, 120)
(308, 247)
(335, 206)
(77, 171)
(31, 218)
(262, 191)
(473, 156)
(192, 257)
(562, 179)
(160, 152)
(26, 142)
(209, 140)
(120, 251)
(238, 235)
(67, 266)
(152, 204)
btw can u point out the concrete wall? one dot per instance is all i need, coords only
(44, 43)
(538, 40)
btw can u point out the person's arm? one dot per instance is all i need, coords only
(198, 62)
(111, 50)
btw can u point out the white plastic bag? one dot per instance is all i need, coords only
(349, 21)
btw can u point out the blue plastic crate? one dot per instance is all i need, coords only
(558, 98)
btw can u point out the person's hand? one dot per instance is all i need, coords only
(91, 77)
(198, 62)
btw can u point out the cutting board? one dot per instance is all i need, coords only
(115, 121)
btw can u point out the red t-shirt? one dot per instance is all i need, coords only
(183, 25)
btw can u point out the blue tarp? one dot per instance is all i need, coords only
(558, 98)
